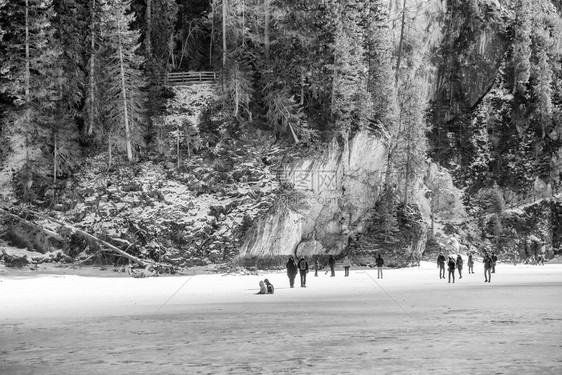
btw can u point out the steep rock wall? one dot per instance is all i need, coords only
(326, 202)
(424, 32)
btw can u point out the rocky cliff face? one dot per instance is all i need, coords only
(324, 202)
(332, 195)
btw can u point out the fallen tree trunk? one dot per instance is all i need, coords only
(48, 232)
(85, 234)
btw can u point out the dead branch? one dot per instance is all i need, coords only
(82, 233)
(48, 232)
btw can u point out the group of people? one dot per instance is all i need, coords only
(301, 267)
(266, 287)
(452, 264)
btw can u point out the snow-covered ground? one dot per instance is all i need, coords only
(408, 322)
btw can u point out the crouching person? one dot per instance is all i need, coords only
(270, 288)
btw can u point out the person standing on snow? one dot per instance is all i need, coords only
(494, 260)
(470, 263)
(441, 265)
(487, 268)
(451, 265)
(459, 265)
(379, 262)
(346, 265)
(316, 266)
(332, 263)
(303, 269)
(292, 271)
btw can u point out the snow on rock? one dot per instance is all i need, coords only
(426, 23)
(446, 199)
(325, 203)
(162, 213)
(188, 103)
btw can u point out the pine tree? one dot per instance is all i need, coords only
(157, 19)
(409, 154)
(350, 102)
(238, 87)
(379, 57)
(125, 102)
(2, 5)
(385, 217)
(31, 75)
(522, 45)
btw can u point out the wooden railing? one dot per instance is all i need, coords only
(190, 78)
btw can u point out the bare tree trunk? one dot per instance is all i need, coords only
(294, 134)
(224, 7)
(48, 232)
(91, 88)
(55, 159)
(124, 95)
(212, 3)
(408, 166)
(236, 91)
(27, 75)
(178, 148)
(148, 36)
(302, 89)
(171, 55)
(399, 58)
(266, 29)
(243, 23)
(109, 151)
(27, 81)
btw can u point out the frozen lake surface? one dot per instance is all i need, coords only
(410, 322)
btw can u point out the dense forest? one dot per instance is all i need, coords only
(79, 79)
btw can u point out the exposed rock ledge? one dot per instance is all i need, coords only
(325, 201)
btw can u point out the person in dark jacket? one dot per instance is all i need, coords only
(379, 262)
(451, 265)
(269, 286)
(332, 263)
(487, 268)
(292, 271)
(303, 269)
(459, 265)
(316, 267)
(346, 266)
(470, 264)
(494, 260)
(441, 265)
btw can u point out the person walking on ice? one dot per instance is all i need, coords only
(459, 265)
(379, 262)
(292, 271)
(303, 269)
(451, 265)
(470, 263)
(346, 266)
(316, 266)
(441, 265)
(487, 268)
(332, 263)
